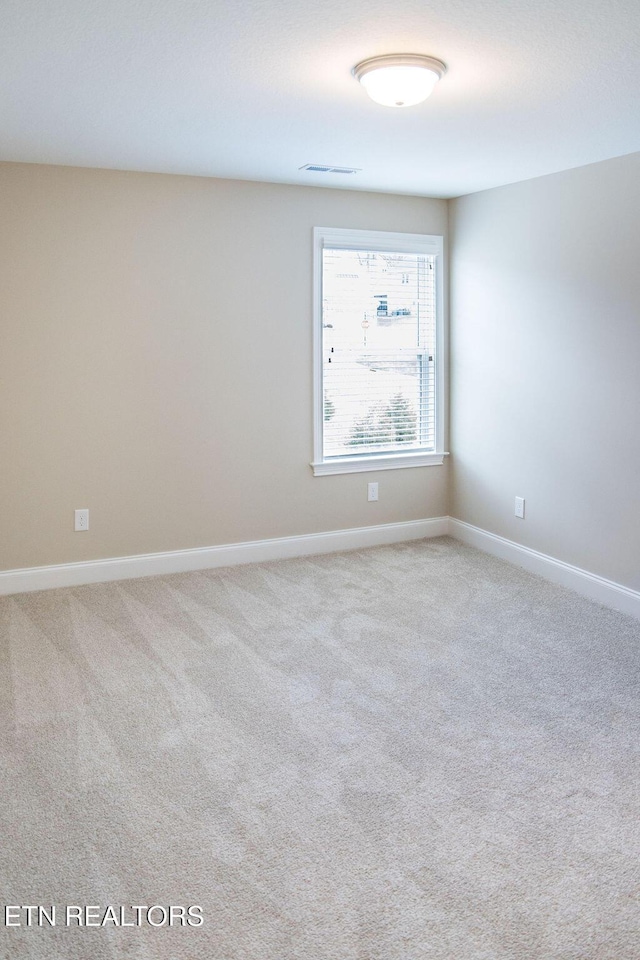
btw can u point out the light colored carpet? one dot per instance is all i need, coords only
(414, 751)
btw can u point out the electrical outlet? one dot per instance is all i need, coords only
(520, 507)
(372, 492)
(81, 520)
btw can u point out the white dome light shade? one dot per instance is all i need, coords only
(399, 80)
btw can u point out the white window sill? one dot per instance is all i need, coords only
(392, 461)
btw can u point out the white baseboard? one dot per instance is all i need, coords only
(590, 585)
(202, 558)
(180, 561)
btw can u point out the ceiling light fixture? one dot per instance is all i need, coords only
(399, 79)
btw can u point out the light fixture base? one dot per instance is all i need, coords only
(399, 60)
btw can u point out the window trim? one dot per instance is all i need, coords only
(430, 244)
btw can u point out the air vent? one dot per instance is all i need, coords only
(324, 168)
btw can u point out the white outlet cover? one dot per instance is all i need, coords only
(81, 520)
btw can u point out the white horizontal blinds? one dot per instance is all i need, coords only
(378, 351)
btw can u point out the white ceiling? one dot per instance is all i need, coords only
(254, 89)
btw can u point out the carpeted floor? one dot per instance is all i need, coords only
(414, 751)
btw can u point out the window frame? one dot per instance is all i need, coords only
(377, 240)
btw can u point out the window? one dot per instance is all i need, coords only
(379, 389)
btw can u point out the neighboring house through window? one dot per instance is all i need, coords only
(379, 368)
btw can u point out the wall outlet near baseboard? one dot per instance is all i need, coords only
(81, 518)
(372, 492)
(520, 507)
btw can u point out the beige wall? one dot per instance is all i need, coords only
(545, 364)
(147, 377)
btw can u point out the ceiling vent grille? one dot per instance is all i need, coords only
(325, 168)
